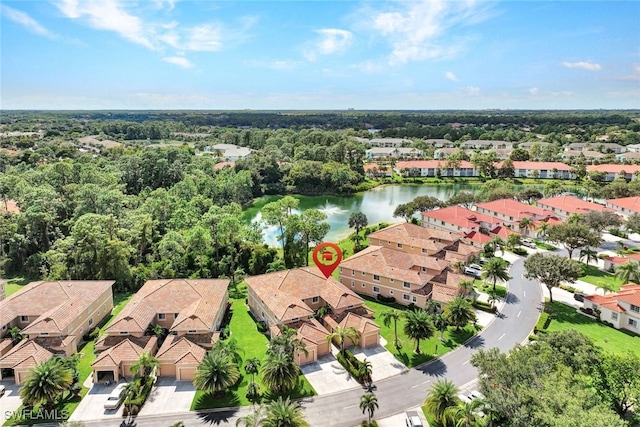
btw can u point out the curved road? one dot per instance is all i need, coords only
(408, 390)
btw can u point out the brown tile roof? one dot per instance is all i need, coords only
(394, 264)
(461, 216)
(180, 350)
(283, 292)
(630, 203)
(57, 304)
(571, 204)
(415, 235)
(360, 324)
(514, 208)
(26, 354)
(196, 301)
(124, 351)
(5, 345)
(311, 330)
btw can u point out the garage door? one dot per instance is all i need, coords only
(186, 374)
(370, 340)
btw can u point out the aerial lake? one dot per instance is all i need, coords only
(377, 204)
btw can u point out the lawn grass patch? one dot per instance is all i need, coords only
(430, 348)
(597, 277)
(254, 344)
(486, 287)
(616, 341)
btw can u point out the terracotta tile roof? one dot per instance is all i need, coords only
(629, 293)
(394, 264)
(630, 203)
(124, 351)
(415, 235)
(56, 304)
(620, 260)
(503, 232)
(477, 237)
(180, 350)
(460, 216)
(571, 204)
(222, 165)
(311, 330)
(283, 292)
(26, 354)
(515, 209)
(549, 166)
(5, 345)
(431, 164)
(359, 323)
(196, 301)
(615, 169)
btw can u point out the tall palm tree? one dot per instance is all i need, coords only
(369, 404)
(387, 316)
(498, 243)
(542, 230)
(495, 269)
(493, 298)
(216, 373)
(418, 326)
(145, 365)
(588, 254)
(459, 312)
(284, 413)
(628, 272)
(251, 367)
(440, 323)
(46, 383)
(606, 287)
(255, 418)
(287, 342)
(365, 371)
(466, 286)
(525, 225)
(465, 414)
(458, 266)
(230, 348)
(432, 306)
(341, 334)
(443, 394)
(279, 372)
(130, 391)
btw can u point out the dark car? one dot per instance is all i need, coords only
(579, 296)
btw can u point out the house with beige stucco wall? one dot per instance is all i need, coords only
(621, 309)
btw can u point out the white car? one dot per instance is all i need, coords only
(113, 401)
(473, 272)
(475, 394)
(2, 390)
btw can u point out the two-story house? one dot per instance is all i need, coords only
(621, 308)
(565, 206)
(625, 206)
(511, 212)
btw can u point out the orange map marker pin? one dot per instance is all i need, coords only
(327, 257)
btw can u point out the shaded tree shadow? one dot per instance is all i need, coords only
(435, 367)
(217, 417)
(512, 299)
(475, 342)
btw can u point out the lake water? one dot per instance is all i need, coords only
(377, 204)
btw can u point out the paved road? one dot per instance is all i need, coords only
(408, 390)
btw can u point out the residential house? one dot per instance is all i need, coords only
(457, 219)
(445, 152)
(625, 206)
(378, 153)
(435, 168)
(54, 315)
(611, 171)
(501, 153)
(565, 206)
(192, 309)
(385, 142)
(577, 146)
(439, 143)
(633, 148)
(587, 154)
(622, 308)
(480, 144)
(543, 170)
(373, 170)
(221, 165)
(628, 157)
(19, 360)
(527, 145)
(512, 212)
(291, 298)
(228, 152)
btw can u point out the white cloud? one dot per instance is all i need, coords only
(331, 41)
(416, 29)
(202, 38)
(180, 61)
(369, 67)
(449, 75)
(534, 90)
(634, 75)
(470, 91)
(583, 65)
(283, 65)
(26, 21)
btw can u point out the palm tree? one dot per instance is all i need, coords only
(255, 418)
(466, 286)
(589, 254)
(432, 306)
(284, 413)
(542, 230)
(498, 243)
(145, 365)
(287, 342)
(279, 372)
(46, 382)
(365, 371)
(465, 414)
(493, 298)
(606, 287)
(418, 326)
(251, 367)
(525, 225)
(443, 395)
(230, 348)
(513, 240)
(389, 315)
(628, 272)
(495, 269)
(358, 220)
(130, 391)
(459, 313)
(16, 335)
(440, 323)
(458, 266)
(341, 334)
(216, 373)
(369, 404)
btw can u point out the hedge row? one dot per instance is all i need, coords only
(484, 306)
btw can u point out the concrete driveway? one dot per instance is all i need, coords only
(91, 407)
(169, 396)
(383, 363)
(11, 401)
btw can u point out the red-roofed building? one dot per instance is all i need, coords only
(621, 308)
(613, 171)
(565, 206)
(511, 212)
(555, 170)
(435, 168)
(459, 220)
(625, 206)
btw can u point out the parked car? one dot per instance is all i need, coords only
(475, 394)
(412, 419)
(579, 296)
(2, 390)
(475, 267)
(473, 272)
(529, 243)
(113, 401)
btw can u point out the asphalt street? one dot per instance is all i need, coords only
(395, 394)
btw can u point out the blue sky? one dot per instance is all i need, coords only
(163, 54)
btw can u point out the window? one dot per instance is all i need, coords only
(124, 333)
(353, 283)
(24, 319)
(633, 323)
(424, 251)
(406, 285)
(364, 274)
(162, 316)
(191, 331)
(635, 308)
(391, 292)
(414, 299)
(363, 285)
(340, 269)
(614, 316)
(405, 297)
(441, 222)
(376, 289)
(295, 319)
(399, 245)
(376, 277)
(44, 334)
(353, 272)
(314, 300)
(424, 268)
(391, 280)
(90, 321)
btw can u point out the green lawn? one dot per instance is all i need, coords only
(597, 277)
(486, 287)
(430, 348)
(613, 340)
(254, 344)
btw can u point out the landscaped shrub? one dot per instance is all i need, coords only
(569, 288)
(484, 306)
(618, 233)
(388, 300)
(262, 327)
(348, 366)
(520, 251)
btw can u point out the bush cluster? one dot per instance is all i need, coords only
(388, 300)
(353, 366)
(484, 306)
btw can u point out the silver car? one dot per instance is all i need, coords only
(113, 401)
